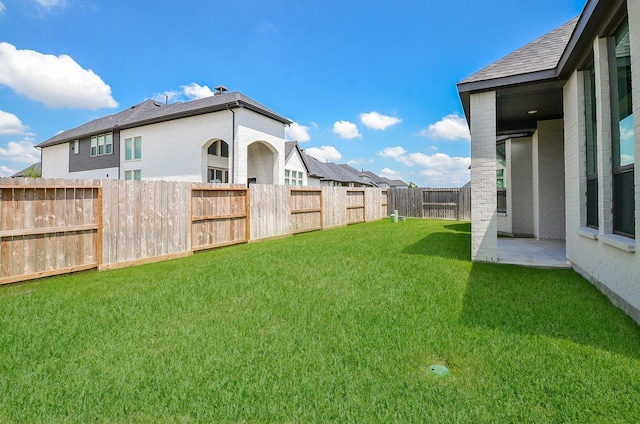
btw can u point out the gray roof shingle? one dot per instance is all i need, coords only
(329, 171)
(151, 111)
(542, 54)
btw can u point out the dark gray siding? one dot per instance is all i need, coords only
(83, 160)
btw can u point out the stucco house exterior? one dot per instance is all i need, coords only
(226, 138)
(555, 136)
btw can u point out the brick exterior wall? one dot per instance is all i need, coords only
(548, 175)
(611, 262)
(484, 226)
(598, 255)
(521, 187)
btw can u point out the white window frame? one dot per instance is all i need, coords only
(293, 177)
(214, 170)
(132, 149)
(101, 144)
(133, 175)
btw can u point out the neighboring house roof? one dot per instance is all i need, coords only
(396, 183)
(343, 173)
(290, 147)
(151, 111)
(378, 180)
(540, 55)
(329, 171)
(35, 169)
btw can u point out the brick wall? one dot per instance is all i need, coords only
(597, 254)
(548, 174)
(484, 240)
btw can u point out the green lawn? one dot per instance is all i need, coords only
(340, 326)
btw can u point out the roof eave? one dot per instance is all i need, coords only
(466, 89)
(185, 114)
(496, 83)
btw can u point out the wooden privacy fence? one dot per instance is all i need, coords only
(434, 203)
(306, 209)
(278, 211)
(219, 217)
(49, 227)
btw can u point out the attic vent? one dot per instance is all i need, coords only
(220, 89)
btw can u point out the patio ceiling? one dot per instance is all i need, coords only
(520, 107)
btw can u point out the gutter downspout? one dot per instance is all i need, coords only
(233, 141)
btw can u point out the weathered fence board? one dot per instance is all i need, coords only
(375, 204)
(431, 203)
(270, 211)
(143, 221)
(306, 209)
(219, 217)
(355, 206)
(334, 202)
(53, 226)
(47, 228)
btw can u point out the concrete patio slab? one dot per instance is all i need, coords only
(532, 252)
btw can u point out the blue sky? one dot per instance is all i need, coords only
(369, 83)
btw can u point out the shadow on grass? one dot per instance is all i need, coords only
(462, 227)
(555, 303)
(452, 245)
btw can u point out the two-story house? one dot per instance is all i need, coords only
(226, 138)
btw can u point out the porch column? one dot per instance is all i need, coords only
(484, 224)
(549, 181)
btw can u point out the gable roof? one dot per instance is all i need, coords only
(290, 147)
(532, 78)
(35, 169)
(151, 111)
(542, 54)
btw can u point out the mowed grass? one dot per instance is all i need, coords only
(333, 326)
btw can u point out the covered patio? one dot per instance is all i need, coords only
(515, 112)
(532, 252)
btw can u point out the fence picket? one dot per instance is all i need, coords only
(48, 227)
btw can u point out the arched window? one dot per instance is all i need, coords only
(219, 148)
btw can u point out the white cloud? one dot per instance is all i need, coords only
(195, 91)
(5, 171)
(2, 7)
(359, 161)
(324, 153)
(10, 124)
(22, 152)
(168, 96)
(56, 81)
(442, 170)
(346, 130)
(50, 3)
(451, 127)
(189, 92)
(398, 153)
(297, 132)
(377, 121)
(439, 169)
(392, 152)
(390, 174)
